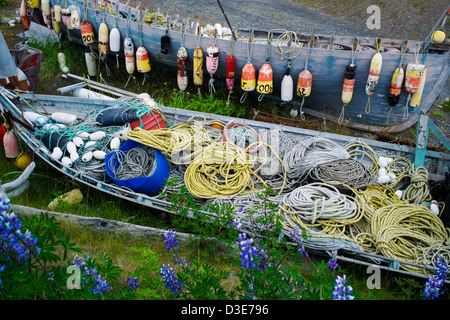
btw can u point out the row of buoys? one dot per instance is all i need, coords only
(110, 42)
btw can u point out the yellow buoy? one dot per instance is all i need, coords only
(72, 197)
(438, 36)
(23, 161)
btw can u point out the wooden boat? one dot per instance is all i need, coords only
(327, 60)
(436, 162)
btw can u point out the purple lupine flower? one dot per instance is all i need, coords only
(236, 223)
(170, 240)
(432, 288)
(134, 283)
(248, 251)
(171, 280)
(341, 290)
(441, 268)
(298, 238)
(332, 263)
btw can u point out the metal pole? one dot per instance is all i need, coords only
(226, 18)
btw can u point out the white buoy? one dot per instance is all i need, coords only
(78, 142)
(83, 135)
(66, 161)
(71, 147)
(97, 135)
(99, 154)
(91, 63)
(89, 94)
(287, 88)
(57, 153)
(87, 156)
(383, 179)
(114, 144)
(114, 40)
(434, 207)
(65, 118)
(89, 144)
(399, 193)
(382, 161)
(381, 172)
(74, 156)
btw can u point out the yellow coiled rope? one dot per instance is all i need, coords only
(222, 170)
(400, 229)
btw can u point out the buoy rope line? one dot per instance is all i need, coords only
(134, 163)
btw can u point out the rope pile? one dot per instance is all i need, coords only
(136, 162)
(400, 230)
(310, 152)
(344, 172)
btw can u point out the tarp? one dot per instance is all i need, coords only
(8, 67)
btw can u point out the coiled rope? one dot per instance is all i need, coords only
(310, 152)
(344, 172)
(134, 163)
(318, 201)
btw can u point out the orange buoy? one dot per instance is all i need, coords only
(265, 79)
(248, 78)
(87, 32)
(304, 83)
(396, 86)
(413, 76)
(142, 60)
(349, 83)
(128, 50)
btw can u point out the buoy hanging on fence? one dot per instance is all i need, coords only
(198, 61)
(142, 62)
(374, 73)
(46, 10)
(103, 41)
(23, 14)
(229, 76)
(55, 23)
(65, 16)
(417, 96)
(34, 4)
(182, 61)
(128, 50)
(75, 20)
(87, 32)
(91, 63)
(58, 12)
(397, 80)
(114, 43)
(248, 75)
(413, 76)
(264, 84)
(396, 86)
(165, 40)
(212, 64)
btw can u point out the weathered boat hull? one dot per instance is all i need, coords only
(437, 163)
(327, 61)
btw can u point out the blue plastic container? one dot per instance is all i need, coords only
(147, 185)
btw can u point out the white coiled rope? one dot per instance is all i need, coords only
(318, 201)
(310, 152)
